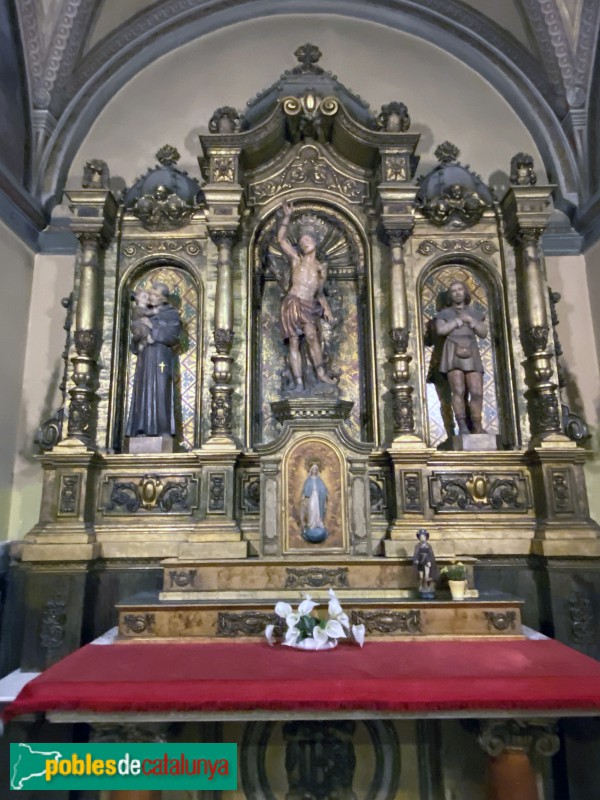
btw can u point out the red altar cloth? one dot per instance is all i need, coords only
(402, 677)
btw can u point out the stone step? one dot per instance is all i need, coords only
(146, 617)
(183, 577)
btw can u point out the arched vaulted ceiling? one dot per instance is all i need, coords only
(539, 54)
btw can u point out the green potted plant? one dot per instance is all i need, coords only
(456, 575)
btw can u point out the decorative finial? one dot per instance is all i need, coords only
(446, 152)
(394, 118)
(95, 174)
(168, 155)
(521, 170)
(307, 55)
(225, 120)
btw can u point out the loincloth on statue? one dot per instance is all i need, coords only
(296, 314)
(462, 354)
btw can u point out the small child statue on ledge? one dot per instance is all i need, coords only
(425, 565)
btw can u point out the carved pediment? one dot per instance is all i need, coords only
(310, 165)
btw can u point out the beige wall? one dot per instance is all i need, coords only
(52, 280)
(592, 284)
(16, 269)
(173, 99)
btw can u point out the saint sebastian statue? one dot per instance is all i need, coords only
(305, 303)
(460, 325)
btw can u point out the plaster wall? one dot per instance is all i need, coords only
(579, 341)
(42, 374)
(16, 271)
(592, 282)
(173, 99)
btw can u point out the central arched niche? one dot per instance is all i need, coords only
(346, 344)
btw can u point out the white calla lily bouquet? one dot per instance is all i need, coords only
(317, 634)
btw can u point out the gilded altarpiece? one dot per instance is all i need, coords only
(362, 417)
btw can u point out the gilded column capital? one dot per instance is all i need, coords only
(94, 215)
(223, 237)
(497, 736)
(526, 211)
(394, 237)
(396, 210)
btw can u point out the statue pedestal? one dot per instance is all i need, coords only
(151, 444)
(476, 441)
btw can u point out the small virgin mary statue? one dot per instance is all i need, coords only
(313, 508)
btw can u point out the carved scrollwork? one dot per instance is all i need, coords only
(428, 246)
(479, 492)
(124, 495)
(501, 620)
(68, 499)
(310, 168)
(244, 623)
(561, 491)
(151, 494)
(181, 578)
(191, 248)
(545, 415)
(216, 493)
(139, 623)
(412, 491)
(389, 622)
(221, 412)
(402, 409)
(518, 734)
(316, 578)
(81, 416)
(581, 614)
(53, 623)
